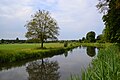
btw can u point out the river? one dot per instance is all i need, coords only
(58, 67)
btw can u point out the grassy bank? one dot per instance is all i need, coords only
(105, 67)
(17, 52)
(96, 44)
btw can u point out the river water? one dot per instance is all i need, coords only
(58, 67)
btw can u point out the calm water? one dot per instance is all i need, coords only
(59, 67)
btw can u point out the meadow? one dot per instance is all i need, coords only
(17, 52)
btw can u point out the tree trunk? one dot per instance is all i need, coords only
(42, 44)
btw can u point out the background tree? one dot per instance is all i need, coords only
(33, 41)
(111, 10)
(90, 37)
(42, 26)
(2, 40)
(80, 40)
(100, 38)
(83, 39)
(17, 40)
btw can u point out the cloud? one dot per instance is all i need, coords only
(13, 17)
(75, 17)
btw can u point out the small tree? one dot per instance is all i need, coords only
(2, 40)
(90, 37)
(100, 38)
(65, 44)
(42, 26)
(83, 39)
(17, 40)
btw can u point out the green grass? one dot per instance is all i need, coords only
(17, 52)
(28, 46)
(14, 48)
(97, 44)
(105, 67)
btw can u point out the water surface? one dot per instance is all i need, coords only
(58, 67)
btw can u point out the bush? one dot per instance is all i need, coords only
(65, 44)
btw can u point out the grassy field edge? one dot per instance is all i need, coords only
(18, 55)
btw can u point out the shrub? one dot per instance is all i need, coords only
(65, 44)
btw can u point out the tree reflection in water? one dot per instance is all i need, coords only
(43, 70)
(91, 51)
(65, 54)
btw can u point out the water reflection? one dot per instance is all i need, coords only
(70, 62)
(80, 47)
(66, 54)
(91, 51)
(43, 70)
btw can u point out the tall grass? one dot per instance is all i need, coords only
(105, 67)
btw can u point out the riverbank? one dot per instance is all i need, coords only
(105, 67)
(18, 52)
(97, 44)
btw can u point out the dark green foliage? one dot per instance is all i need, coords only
(12, 41)
(90, 37)
(111, 19)
(2, 41)
(17, 40)
(80, 40)
(71, 45)
(100, 38)
(65, 44)
(83, 39)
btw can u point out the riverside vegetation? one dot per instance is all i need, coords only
(105, 67)
(17, 52)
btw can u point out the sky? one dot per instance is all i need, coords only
(74, 17)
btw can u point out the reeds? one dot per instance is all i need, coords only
(105, 67)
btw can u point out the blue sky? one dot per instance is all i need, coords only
(75, 17)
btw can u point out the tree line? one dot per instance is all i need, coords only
(7, 41)
(111, 19)
(91, 38)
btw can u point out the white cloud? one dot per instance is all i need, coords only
(71, 5)
(75, 17)
(15, 9)
(78, 16)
